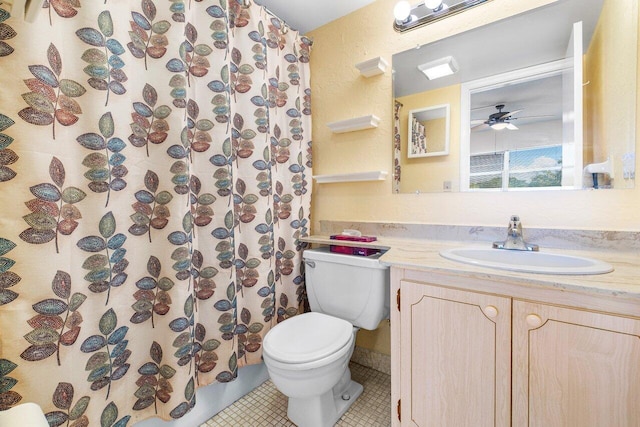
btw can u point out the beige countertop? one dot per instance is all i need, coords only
(621, 284)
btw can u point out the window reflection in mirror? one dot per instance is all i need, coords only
(546, 151)
(526, 143)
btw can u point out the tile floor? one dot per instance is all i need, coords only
(267, 407)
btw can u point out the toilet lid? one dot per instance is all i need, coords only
(307, 337)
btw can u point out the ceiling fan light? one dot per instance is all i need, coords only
(439, 68)
(402, 11)
(499, 126)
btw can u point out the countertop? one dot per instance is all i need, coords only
(621, 284)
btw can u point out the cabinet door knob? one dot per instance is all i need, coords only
(491, 312)
(534, 320)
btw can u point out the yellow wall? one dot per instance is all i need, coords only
(435, 129)
(428, 173)
(339, 92)
(607, 85)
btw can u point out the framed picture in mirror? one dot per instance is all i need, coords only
(428, 133)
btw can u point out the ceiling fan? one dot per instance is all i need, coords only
(497, 121)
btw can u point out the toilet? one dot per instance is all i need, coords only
(307, 356)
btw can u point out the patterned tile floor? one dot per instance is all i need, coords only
(267, 407)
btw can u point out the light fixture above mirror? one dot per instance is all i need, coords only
(408, 17)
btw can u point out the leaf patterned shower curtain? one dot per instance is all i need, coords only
(397, 150)
(154, 163)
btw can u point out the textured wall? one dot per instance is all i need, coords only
(339, 92)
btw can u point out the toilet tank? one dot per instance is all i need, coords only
(350, 287)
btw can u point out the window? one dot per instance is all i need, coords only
(486, 170)
(539, 167)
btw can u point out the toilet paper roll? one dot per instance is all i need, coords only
(27, 414)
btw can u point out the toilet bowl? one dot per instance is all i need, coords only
(308, 361)
(308, 355)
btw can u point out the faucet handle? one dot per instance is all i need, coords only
(515, 238)
(514, 224)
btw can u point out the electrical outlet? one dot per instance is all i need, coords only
(446, 185)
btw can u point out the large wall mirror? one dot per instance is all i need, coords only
(543, 100)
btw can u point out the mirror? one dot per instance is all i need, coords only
(528, 110)
(428, 132)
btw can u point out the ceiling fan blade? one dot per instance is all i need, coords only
(540, 117)
(512, 127)
(508, 114)
(483, 107)
(477, 122)
(481, 126)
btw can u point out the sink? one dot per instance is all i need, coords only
(527, 262)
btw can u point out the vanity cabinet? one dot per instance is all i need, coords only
(471, 352)
(455, 357)
(574, 367)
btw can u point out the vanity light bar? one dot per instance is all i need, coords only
(421, 15)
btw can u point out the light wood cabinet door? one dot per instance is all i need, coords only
(455, 357)
(574, 368)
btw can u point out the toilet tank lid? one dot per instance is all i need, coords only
(307, 337)
(324, 254)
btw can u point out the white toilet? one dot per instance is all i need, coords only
(307, 356)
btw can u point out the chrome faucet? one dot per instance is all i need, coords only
(515, 239)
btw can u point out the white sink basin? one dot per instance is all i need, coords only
(528, 262)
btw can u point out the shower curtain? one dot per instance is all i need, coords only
(154, 182)
(418, 137)
(397, 150)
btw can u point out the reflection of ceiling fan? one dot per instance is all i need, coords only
(497, 121)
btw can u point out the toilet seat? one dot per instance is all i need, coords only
(308, 339)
